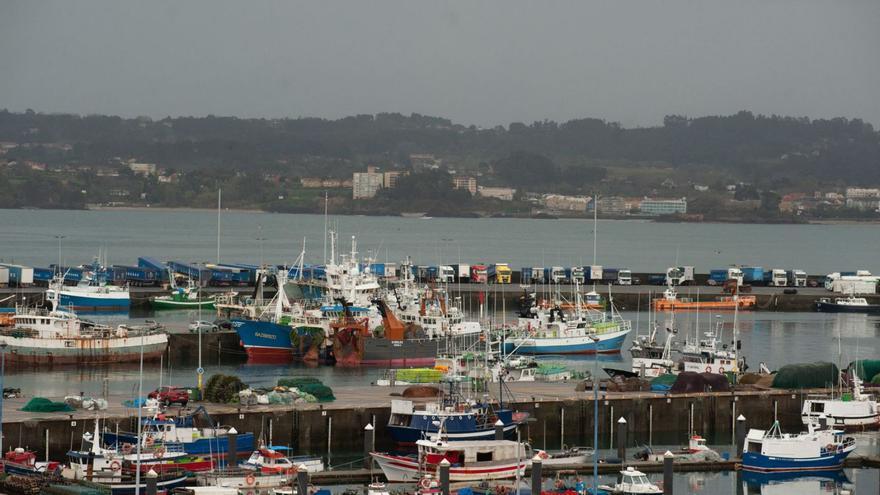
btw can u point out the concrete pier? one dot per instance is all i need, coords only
(306, 427)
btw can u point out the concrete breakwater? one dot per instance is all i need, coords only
(561, 416)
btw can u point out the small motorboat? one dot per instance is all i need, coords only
(849, 304)
(270, 460)
(632, 482)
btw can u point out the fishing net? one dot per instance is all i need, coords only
(223, 388)
(321, 392)
(867, 369)
(42, 404)
(808, 375)
(298, 381)
(690, 382)
(419, 375)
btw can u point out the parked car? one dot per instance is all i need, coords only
(204, 326)
(168, 395)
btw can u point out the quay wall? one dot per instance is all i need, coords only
(339, 431)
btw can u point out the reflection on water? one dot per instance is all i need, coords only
(773, 338)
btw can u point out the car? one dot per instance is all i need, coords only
(203, 326)
(168, 395)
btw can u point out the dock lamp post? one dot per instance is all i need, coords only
(595, 339)
(2, 384)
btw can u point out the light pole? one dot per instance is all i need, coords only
(140, 429)
(260, 238)
(2, 385)
(59, 237)
(595, 339)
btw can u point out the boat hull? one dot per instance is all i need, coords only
(159, 303)
(33, 351)
(752, 461)
(411, 352)
(743, 302)
(163, 486)
(830, 307)
(403, 469)
(608, 344)
(264, 341)
(106, 302)
(213, 447)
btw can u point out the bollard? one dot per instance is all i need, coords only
(621, 440)
(369, 446)
(537, 463)
(667, 473)
(302, 479)
(152, 480)
(444, 476)
(740, 434)
(232, 448)
(499, 430)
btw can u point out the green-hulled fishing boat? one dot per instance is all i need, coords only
(183, 298)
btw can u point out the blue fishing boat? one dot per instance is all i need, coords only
(814, 450)
(179, 434)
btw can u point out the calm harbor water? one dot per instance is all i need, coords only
(29, 237)
(776, 339)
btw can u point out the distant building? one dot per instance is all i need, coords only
(424, 161)
(611, 205)
(701, 188)
(365, 185)
(862, 198)
(465, 182)
(657, 207)
(389, 179)
(325, 183)
(561, 202)
(145, 169)
(502, 193)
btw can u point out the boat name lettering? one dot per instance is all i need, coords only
(265, 335)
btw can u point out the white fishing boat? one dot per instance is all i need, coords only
(855, 411)
(650, 358)
(270, 460)
(55, 336)
(632, 482)
(472, 460)
(813, 450)
(710, 354)
(572, 456)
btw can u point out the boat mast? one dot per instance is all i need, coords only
(325, 227)
(219, 194)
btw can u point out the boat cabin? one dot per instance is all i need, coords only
(465, 453)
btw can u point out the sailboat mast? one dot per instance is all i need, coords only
(219, 194)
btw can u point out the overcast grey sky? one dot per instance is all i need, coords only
(474, 62)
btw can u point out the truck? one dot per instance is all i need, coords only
(752, 275)
(737, 274)
(624, 277)
(555, 274)
(20, 275)
(776, 277)
(134, 275)
(577, 275)
(797, 278)
(854, 285)
(717, 277)
(4, 276)
(462, 272)
(595, 273)
(537, 275)
(499, 273)
(478, 274)
(446, 274)
(609, 275)
(681, 275)
(389, 271)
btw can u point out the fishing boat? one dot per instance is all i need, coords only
(696, 450)
(671, 302)
(244, 479)
(471, 460)
(271, 460)
(710, 354)
(813, 450)
(181, 434)
(572, 456)
(650, 358)
(851, 411)
(54, 336)
(632, 482)
(553, 331)
(188, 297)
(461, 419)
(849, 304)
(92, 293)
(24, 462)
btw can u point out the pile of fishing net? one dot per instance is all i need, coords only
(867, 369)
(42, 404)
(806, 375)
(297, 381)
(87, 403)
(689, 382)
(223, 389)
(309, 387)
(663, 382)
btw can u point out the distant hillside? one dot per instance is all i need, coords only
(761, 148)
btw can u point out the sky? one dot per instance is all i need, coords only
(475, 62)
